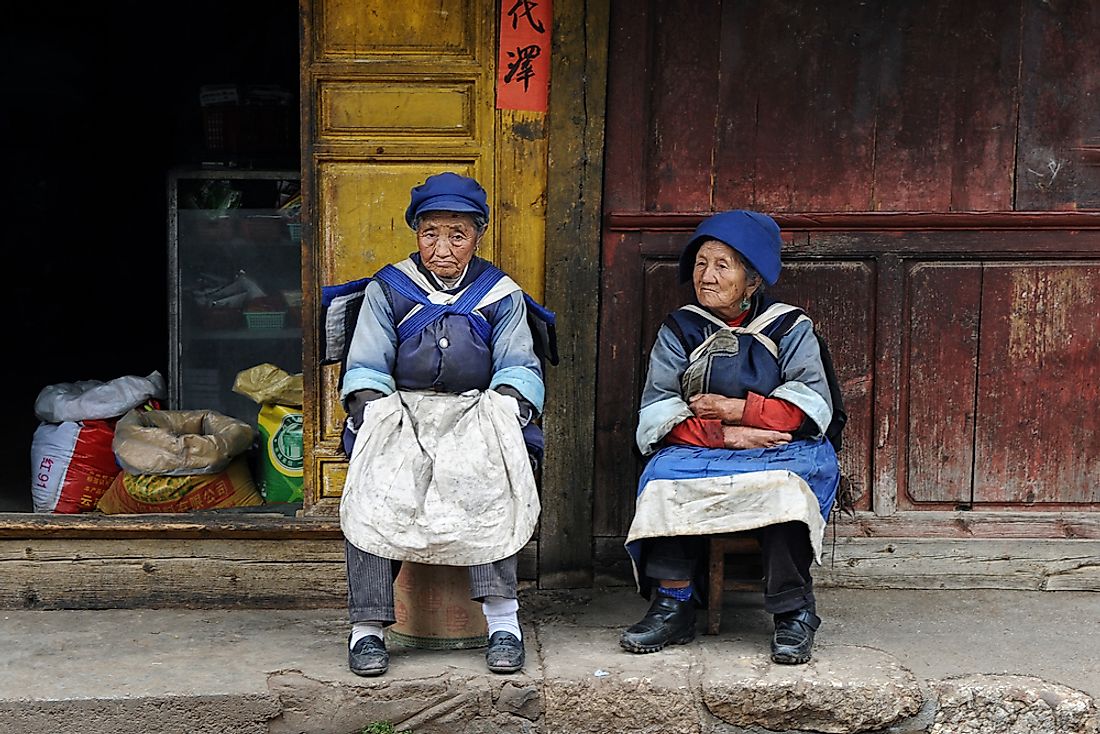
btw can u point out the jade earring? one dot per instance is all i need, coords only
(745, 303)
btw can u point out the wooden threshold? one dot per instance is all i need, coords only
(254, 526)
(970, 524)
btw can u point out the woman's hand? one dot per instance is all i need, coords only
(717, 407)
(745, 437)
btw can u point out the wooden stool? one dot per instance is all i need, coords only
(743, 545)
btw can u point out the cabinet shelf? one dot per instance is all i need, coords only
(232, 245)
(245, 334)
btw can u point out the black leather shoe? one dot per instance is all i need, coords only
(369, 656)
(793, 640)
(668, 622)
(505, 653)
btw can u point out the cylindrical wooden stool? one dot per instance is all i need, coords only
(434, 610)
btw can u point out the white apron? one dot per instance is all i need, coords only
(440, 479)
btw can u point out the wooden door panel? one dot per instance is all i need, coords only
(392, 94)
(948, 73)
(684, 105)
(349, 30)
(1038, 437)
(1058, 152)
(399, 110)
(839, 297)
(809, 76)
(942, 348)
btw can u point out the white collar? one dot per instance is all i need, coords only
(446, 285)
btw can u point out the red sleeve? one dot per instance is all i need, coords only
(775, 414)
(702, 432)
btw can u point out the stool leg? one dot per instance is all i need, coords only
(714, 595)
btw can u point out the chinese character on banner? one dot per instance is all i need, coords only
(523, 64)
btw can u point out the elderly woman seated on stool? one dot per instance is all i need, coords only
(443, 386)
(733, 415)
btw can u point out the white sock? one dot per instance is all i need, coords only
(501, 614)
(359, 630)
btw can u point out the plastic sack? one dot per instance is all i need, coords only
(179, 442)
(266, 384)
(96, 400)
(280, 425)
(72, 465)
(144, 493)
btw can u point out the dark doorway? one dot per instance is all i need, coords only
(101, 101)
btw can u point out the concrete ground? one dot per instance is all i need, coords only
(880, 661)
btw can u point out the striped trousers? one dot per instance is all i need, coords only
(370, 584)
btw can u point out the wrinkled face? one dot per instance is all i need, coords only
(447, 241)
(720, 279)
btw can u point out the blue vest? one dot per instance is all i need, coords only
(443, 348)
(753, 368)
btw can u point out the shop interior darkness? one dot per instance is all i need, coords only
(102, 101)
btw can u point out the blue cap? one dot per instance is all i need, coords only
(447, 192)
(754, 235)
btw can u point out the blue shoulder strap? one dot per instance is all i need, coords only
(431, 312)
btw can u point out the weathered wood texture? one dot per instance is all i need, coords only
(926, 563)
(942, 380)
(892, 141)
(1059, 130)
(915, 563)
(958, 420)
(804, 106)
(1038, 434)
(65, 573)
(573, 208)
(199, 525)
(393, 93)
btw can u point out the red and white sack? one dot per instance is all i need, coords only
(72, 465)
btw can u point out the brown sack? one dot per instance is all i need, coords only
(141, 493)
(179, 442)
(268, 385)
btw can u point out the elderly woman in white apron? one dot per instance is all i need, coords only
(442, 385)
(733, 419)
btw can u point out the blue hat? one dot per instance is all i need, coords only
(754, 235)
(447, 192)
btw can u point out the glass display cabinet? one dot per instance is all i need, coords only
(235, 283)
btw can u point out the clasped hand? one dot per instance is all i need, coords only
(710, 406)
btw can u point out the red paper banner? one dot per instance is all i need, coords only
(523, 64)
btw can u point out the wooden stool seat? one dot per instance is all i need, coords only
(743, 545)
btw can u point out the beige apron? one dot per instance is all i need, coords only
(440, 479)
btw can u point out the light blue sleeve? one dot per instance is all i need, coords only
(514, 360)
(804, 383)
(373, 346)
(663, 406)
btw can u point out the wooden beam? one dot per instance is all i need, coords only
(971, 524)
(182, 525)
(573, 213)
(872, 221)
(992, 562)
(134, 572)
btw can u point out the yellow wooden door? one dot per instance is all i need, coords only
(392, 93)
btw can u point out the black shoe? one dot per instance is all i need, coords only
(505, 653)
(668, 622)
(794, 636)
(368, 656)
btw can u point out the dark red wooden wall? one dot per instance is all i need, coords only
(935, 167)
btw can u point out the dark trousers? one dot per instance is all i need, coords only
(370, 584)
(786, 553)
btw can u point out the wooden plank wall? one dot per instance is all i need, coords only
(393, 93)
(574, 180)
(934, 166)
